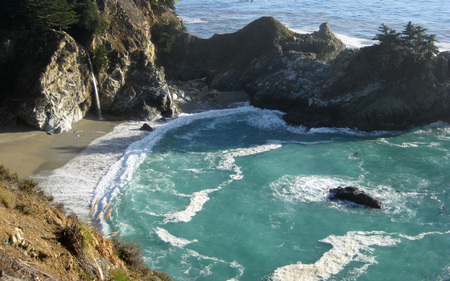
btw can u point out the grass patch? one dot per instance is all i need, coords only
(5, 197)
(6, 175)
(119, 275)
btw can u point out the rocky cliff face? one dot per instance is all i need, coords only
(49, 86)
(314, 78)
(45, 79)
(46, 83)
(359, 93)
(131, 85)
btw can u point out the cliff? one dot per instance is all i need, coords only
(315, 79)
(39, 242)
(45, 80)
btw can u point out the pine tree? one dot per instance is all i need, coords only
(418, 47)
(387, 35)
(52, 13)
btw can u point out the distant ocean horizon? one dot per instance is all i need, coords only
(238, 194)
(354, 22)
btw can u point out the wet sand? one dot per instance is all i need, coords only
(26, 151)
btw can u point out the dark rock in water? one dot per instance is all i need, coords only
(146, 127)
(353, 194)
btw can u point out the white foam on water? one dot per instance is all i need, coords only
(270, 120)
(227, 162)
(354, 42)
(197, 200)
(240, 269)
(189, 20)
(420, 236)
(305, 188)
(74, 183)
(353, 246)
(165, 236)
(121, 172)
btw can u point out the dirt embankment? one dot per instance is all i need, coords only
(39, 242)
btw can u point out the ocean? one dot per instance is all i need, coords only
(354, 22)
(237, 194)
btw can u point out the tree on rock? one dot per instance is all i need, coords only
(412, 47)
(52, 13)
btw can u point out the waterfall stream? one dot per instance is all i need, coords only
(94, 82)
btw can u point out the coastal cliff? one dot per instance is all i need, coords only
(46, 82)
(315, 79)
(136, 47)
(39, 242)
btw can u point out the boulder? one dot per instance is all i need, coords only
(147, 127)
(47, 80)
(355, 195)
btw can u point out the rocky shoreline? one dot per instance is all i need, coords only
(148, 64)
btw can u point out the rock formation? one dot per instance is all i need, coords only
(45, 79)
(314, 78)
(359, 92)
(48, 85)
(355, 195)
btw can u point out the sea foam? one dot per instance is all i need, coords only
(198, 199)
(353, 246)
(165, 236)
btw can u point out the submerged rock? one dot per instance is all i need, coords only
(355, 195)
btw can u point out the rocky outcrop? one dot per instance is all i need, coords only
(314, 78)
(229, 61)
(46, 81)
(133, 86)
(359, 92)
(355, 195)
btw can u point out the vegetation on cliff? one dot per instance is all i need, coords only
(411, 48)
(38, 241)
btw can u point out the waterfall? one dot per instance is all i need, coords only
(94, 82)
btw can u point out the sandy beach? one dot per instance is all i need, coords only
(26, 151)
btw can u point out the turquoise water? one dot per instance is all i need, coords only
(237, 194)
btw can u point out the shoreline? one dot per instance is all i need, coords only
(69, 165)
(28, 152)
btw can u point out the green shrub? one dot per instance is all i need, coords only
(46, 14)
(119, 275)
(90, 19)
(28, 185)
(130, 253)
(101, 58)
(6, 175)
(25, 208)
(411, 49)
(164, 32)
(168, 3)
